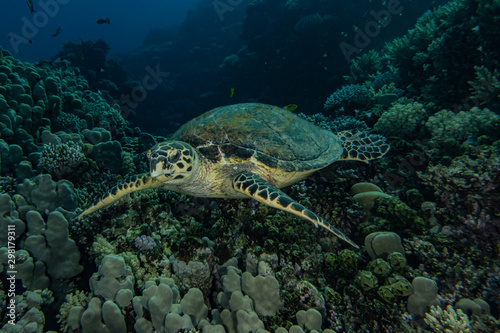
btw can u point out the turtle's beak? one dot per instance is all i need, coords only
(170, 162)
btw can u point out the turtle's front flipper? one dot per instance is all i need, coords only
(257, 188)
(132, 184)
(361, 146)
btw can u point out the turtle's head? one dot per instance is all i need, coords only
(172, 161)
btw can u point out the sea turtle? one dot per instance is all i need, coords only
(247, 150)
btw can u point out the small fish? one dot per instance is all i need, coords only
(30, 5)
(57, 32)
(231, 92)
(290, 107)
(102, 21)
(11, 38)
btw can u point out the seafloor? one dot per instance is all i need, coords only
(426, 215)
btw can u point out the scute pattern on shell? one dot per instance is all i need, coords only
(275, 136)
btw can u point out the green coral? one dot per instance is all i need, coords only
(400, 286)
(397, 261)
(395, 214)
(77, 298)
(364, 66)
(366, 280)
(386, 293)
(431, 59)
(401, 120)
(101, 248)
(486, 85)
(380, 267)
(460, 126)
(348, 261)
(70, 123)
(100, 114)
(128, 165)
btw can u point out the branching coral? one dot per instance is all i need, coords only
(431, 58)
(61, 160)
(447, 321)
(486, 86)
(349, 97)
(361, 68)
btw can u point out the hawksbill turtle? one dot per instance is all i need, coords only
(247, 150)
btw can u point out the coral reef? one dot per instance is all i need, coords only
(61, 160)
(423, 296)
(402, 120)
(144, 243)
(467, 193)
(460, 126)
(448, 320)
(349, 98)
(168, 262)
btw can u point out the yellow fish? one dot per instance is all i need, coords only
(231, 92)
(290, 107)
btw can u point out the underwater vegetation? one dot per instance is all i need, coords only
(426, 215)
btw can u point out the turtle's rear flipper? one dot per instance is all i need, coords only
(132, 184)
(257, 188)
(361, 146)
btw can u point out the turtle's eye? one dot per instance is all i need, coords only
(171, 162)
(174, 156)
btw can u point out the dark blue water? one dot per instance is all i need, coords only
(130, 22)
(273, 53)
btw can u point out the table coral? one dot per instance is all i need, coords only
(348, 98)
